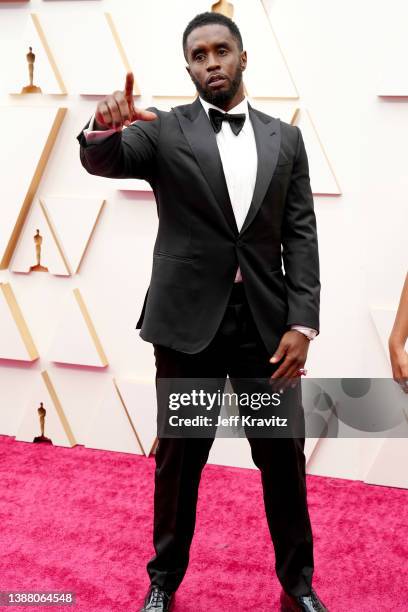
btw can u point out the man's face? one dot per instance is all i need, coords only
(215, 63)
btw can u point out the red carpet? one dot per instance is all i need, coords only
(80, 520)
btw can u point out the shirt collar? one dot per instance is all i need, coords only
(241, 107)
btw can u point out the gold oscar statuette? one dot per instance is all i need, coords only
(224, 7)
(38, 267)
(31, 88)
(42, 438)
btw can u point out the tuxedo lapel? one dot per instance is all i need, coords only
(268, 140)
(201, 137)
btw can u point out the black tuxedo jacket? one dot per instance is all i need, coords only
(198, 246)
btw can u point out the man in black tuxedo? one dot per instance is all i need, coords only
(234, 202)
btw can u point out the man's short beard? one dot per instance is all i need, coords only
(220, 97)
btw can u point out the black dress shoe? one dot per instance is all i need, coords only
(307, 603)
(158, 600)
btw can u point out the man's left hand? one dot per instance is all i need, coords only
(293, 349)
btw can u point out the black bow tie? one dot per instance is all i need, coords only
(217, 117)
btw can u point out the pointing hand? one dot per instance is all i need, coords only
(118, 109)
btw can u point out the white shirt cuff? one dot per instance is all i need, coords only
(307, 331)
(92, 135)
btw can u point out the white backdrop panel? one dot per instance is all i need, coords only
(85, 50)
(18, 75)
(19, 157)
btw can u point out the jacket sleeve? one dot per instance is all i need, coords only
(300, 246)
(129, 153)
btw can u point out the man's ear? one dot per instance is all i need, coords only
(188, 70)
(243, 60)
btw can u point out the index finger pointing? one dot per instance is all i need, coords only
(129, 85)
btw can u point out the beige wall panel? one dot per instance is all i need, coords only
(16, 341)
(25, 255)
(393, 77)
(110, 427)
(76, 340)
(24, 158)
(46, 74)
(89, 69)
(72, 221)
(56, 424)
(322, 178)
(390, 466)
(139, 398)
(273, 80)
(383, 319)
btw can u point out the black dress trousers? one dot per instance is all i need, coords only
(238, 351)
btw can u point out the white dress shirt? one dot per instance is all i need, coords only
(239, 159)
